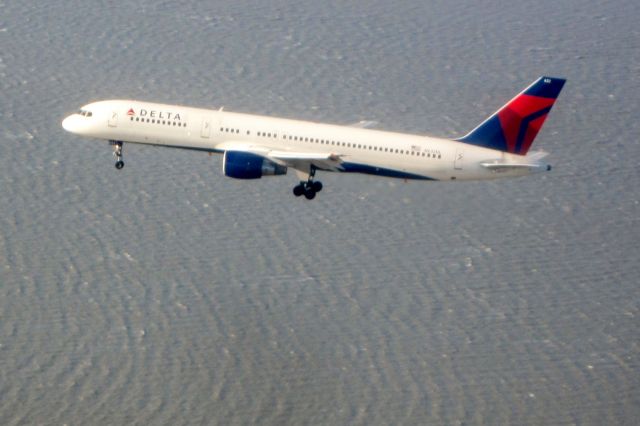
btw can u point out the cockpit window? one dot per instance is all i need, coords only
(85, 113)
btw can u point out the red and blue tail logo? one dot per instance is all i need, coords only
(513, 128)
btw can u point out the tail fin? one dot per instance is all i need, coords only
(516, 124)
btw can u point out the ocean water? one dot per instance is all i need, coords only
(168, 294)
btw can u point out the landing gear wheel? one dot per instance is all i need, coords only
(309, 193)
(309, 188)
(117, 152)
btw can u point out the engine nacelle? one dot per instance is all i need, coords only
(243, 165)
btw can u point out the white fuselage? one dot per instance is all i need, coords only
(359, 149)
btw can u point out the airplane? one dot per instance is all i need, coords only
(254, 146)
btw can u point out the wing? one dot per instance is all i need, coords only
(364, 124)
(301, 161)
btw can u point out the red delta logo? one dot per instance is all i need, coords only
(522, 119)
(131, 112)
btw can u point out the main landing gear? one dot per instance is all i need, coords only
(117, 152)
(308, 188)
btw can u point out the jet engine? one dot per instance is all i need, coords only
(244, 165)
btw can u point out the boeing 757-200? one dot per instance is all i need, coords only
(254, 146)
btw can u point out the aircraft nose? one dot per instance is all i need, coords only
(70, 123)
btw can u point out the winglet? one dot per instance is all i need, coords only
(514, 126)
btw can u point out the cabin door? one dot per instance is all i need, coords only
(205, 132)
(113, 119)
(457, 163)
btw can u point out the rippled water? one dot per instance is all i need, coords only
(168, 294)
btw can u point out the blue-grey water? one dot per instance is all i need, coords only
(168, 294)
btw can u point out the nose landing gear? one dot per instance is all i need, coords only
(117, 152)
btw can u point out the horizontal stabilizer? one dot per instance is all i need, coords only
(511, 166)
(530, 161)
(537, 155)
